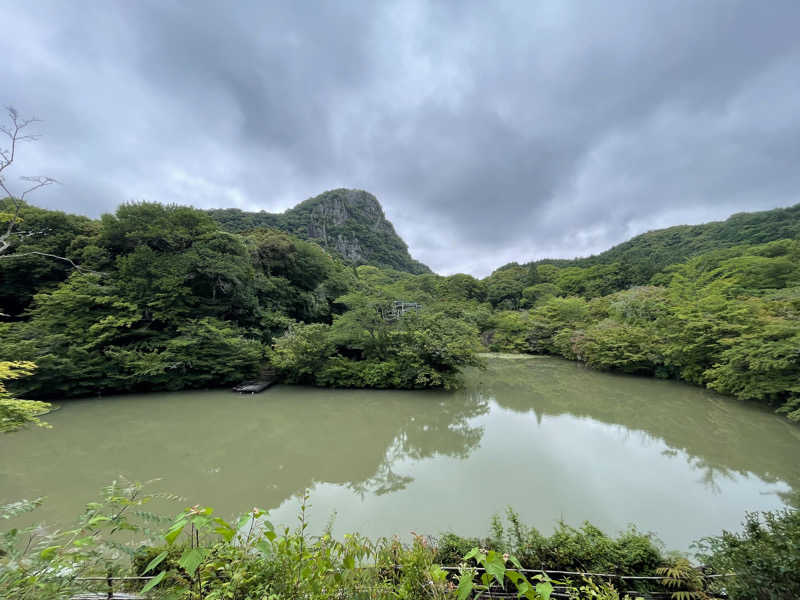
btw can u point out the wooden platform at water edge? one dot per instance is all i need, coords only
(256, 386)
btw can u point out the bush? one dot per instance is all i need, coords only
(569, 549)
(765, 556)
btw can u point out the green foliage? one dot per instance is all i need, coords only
(497, 570)
(207, 557)
(726, 319)
(765, 557)
(648, 254)
(198, 555)
(509, 331)
(14, 412)
(302, 352)
(363, 349)
(614, 346)
(504, 287)
(174, 302)
(37, 563)
(534, 294)
(553, 317)
(576, 549)
(461, 287)
(178, 304)
(47, 231)
(592, 282)
(684, 581)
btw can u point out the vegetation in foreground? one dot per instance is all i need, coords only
(199, 555)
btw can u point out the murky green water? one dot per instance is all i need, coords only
(545, 436)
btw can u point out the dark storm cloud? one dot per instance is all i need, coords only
(490, 131)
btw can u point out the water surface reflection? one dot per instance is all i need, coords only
(543, 435)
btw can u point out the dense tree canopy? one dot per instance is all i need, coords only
(727, 319)
(165, 299)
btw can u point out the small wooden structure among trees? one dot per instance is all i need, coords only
(399, 308)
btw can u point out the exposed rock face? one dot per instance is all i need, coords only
(350, 223)
(336, 210)
(339, 206)
(350, 249)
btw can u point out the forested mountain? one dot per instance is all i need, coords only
(350, 223)
(648, 253)
(644, 259)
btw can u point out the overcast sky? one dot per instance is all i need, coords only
(489, 131)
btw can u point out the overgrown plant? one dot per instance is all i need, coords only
(495, 572)
(41, 563)
(16, 413)
(683, 580)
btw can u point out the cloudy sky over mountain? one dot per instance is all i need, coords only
(489, 131)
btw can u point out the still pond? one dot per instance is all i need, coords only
(545, 436)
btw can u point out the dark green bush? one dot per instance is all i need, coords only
(568, 549)
(765, 556)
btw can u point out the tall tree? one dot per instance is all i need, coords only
(17, 132)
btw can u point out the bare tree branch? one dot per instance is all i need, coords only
(38, 182)
(32, 252)
(16, 133)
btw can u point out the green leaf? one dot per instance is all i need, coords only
(544, 589)
(155, 562)
(84, 541)
(471, 554)
(48, 552)
(514, 577)
(464, 586)
(496, 568)
(174, 531)
(191, 559)
(349, 562)
(224, 530)
(264, 547)
(153, 582)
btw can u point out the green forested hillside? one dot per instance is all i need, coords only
(164, 298)
(161, 297)
(641, 257)
(349, 223)
(727, 319)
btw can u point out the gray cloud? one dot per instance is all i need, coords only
(491, 132)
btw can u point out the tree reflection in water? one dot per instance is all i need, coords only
(720, 436)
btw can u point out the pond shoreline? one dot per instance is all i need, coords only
(608, 449)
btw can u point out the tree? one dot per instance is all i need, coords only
(17, 133)
(504, 286)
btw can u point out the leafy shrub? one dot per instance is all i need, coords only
(568, 548)
(765, 556)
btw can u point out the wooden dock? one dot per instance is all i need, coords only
(256, 386)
